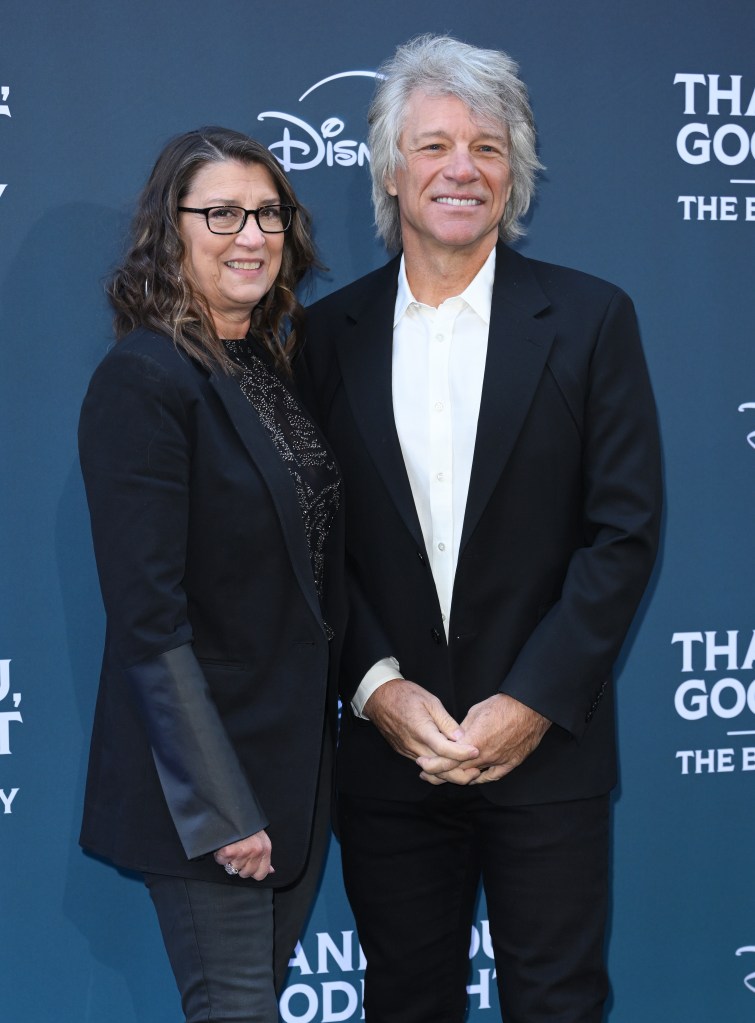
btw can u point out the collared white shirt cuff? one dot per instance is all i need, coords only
(383, 671)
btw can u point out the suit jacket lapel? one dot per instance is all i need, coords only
(518, 346)
(365, 353)
(259, 445)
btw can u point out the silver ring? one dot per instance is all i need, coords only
(230, 869)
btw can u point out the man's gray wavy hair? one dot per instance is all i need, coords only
(487, 82)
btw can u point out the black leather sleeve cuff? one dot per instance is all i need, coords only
(209, 797)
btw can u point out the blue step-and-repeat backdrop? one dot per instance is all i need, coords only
(646, 115)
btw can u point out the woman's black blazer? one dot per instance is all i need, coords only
(214, 686)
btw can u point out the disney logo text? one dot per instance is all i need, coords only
(314, 146)
(344, 152)
(750, 436)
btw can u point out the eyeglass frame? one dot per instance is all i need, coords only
(255, 213)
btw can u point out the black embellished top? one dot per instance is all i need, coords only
(298, 442)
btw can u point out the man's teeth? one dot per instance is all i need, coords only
(450, 201)
(241, 264)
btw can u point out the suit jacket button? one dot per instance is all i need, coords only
(435, 634)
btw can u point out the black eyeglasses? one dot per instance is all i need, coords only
(231, 219)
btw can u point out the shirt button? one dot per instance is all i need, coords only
(440, 337)
(441, 546)
(438, 406)
(440, 477)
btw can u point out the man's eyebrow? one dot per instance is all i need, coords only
(442, 133)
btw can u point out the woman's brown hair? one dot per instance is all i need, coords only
(149, 289)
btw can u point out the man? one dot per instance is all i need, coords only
(496, 430)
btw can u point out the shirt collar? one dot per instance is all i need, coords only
(478, 294)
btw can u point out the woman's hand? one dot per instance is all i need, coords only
(250, 857)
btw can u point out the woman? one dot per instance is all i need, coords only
(214, 503)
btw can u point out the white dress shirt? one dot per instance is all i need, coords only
(438, 369)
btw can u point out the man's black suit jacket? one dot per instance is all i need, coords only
(559, 535)
(209, 719)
